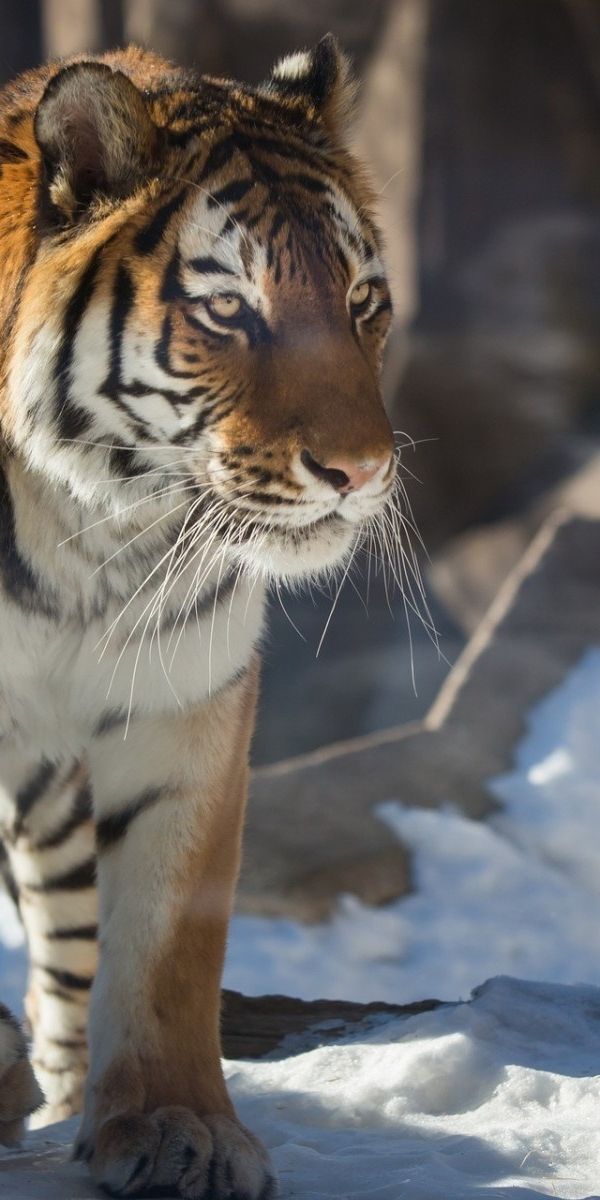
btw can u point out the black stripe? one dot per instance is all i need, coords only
(9, 1019)
(7, 877)
(213, 334)
(121, 307)
(249, 223)
(170, 288)
(67, 1043)
(66, 979)
(229, 226)
(298, 151)
(163, 346)
(75, 879)
(220, 412)
(278, 221)
(231, 192)
(204, 603)
(308, 182)
(147, 239)
(11, 153)
(18, 578)
(81, 811)
(267, 498)
(123, 298)
(163, 351)
(220, 155)
(192, 431)
(111, 829)
(169, 394)
(72, 420)
(82, 933)
(113, 718)
(209, 266)
(31, 792)
(123, 461)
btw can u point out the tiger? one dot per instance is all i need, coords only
(20, 1093)
(194, 307)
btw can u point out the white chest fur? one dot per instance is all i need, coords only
(106, 630)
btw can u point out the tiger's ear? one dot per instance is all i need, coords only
(95, 135)
(320, 78)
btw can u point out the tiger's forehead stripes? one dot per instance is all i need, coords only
(252, 211)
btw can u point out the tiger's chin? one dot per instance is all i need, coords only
(305, 552)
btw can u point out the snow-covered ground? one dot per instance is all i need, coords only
(499, 1097)
(485, 1100)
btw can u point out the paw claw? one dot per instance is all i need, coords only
(124, 1155)
(172, 1151)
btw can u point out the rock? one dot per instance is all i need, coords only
(469, 570)
(312, 828)
(257, 1025)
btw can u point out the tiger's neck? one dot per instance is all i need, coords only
(110, 615)
(80, 560)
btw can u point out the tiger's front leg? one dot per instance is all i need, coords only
(169, 806)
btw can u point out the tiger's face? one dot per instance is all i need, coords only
(226, 327)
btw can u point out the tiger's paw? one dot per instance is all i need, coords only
(20, 1093)
(173, 1151)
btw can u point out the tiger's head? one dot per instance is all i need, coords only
(206, 306)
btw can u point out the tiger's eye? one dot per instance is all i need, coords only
(360, 294)
(225, 304)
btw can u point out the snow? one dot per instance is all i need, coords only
(494, 1098)
(518, 895)
(12, 955)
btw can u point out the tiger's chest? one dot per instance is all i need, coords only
(58, 688)
(94, 634)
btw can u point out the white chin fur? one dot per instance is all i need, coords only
(285, 557)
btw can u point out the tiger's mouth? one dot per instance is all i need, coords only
(288, 537)
(290, 550)
(298, 551)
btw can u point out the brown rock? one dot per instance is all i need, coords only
(256, 1025)
(469, 571)
(312, 827)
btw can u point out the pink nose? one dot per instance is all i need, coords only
(345, 475)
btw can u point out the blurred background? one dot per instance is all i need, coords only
(481, 125)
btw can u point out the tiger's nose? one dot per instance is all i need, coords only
(345, 475)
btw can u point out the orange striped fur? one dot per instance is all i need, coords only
(193, 312)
